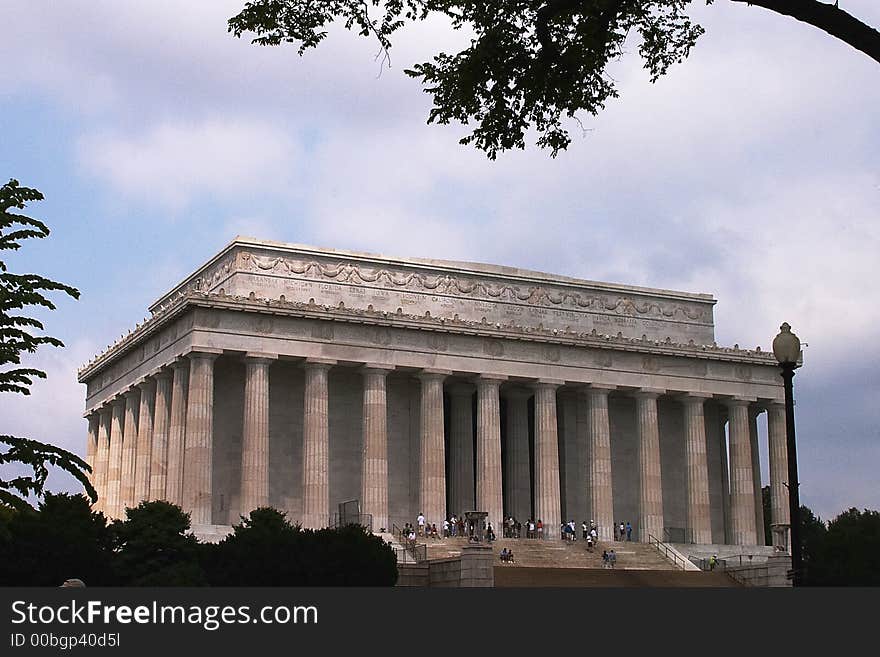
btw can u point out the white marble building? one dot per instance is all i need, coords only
(299, 378)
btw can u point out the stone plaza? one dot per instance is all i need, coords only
(300, 378)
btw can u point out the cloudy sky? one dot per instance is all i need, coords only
(751, 171)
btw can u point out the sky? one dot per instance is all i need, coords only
(751, 171)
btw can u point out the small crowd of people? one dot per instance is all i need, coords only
(513, 528)
(623, 531)
(452, 527)
(589, 533)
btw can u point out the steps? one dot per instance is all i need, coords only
(561, 554)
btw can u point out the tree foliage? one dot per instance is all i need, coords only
(18, 336)
(849, 552)
(530, 64)
(154, 548)
(265, 549)
(61, 539)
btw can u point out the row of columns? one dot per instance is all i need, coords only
(162, 449)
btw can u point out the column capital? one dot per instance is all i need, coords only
(736, 402)
(145, 384)
(160, 373)
(260, 357)
(592, 390)
(319, 363)
(376, 368)
(179, 363)
(433, 375)
(491, 378)
(694, 397)
(649, 393)
(547, 383)
(118, 402)
(132, 391)
(205, 353)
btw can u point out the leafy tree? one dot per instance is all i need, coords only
(18, 292)
(62, 539)
(153, 548)
(530, 64)
(812, 537)
(265, 549)
(850, 551)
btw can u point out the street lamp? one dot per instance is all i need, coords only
(787, 349)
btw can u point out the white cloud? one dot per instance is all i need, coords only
(172, 163)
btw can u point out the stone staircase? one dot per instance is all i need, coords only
(570, 564)
(561, 554)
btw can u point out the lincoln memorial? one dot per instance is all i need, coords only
(299, 378)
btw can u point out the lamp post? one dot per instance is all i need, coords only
(787, 349)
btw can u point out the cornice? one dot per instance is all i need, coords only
(424, 322)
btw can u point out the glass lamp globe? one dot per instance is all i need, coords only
(786, 346)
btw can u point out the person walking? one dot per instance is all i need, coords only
(420, 521)
(612, 558)
(629, 531)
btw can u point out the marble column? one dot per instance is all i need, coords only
(698, 511)
(92, 446)
(742, 486)
(144, 450)
(374, 467)
(129, 451)
(161, 420)
(777, 439)
(432, 453)
(102, 459)
(650, 483)
(316, 445)
(517, 475)
(548, 508)
(114, 466)
(489, 477)
(177, 432)
(461, 448)
(255, 434)
(754, 412)
(198, 452)
(601, 489)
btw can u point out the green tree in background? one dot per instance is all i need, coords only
(530, 64)
(265, 549)
(61, 539)
(849, 554)
(18, 336)
(154, 549)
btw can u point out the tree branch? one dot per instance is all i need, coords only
(828, 18)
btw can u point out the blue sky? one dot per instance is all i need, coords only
(751, 171)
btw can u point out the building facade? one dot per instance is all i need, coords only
(300, 378)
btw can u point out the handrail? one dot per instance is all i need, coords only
(666, 551)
